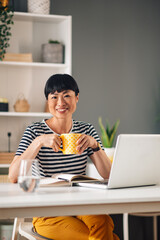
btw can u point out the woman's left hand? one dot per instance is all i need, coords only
(84, 142)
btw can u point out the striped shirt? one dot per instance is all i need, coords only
(56, 162)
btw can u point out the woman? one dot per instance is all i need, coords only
(41, 140)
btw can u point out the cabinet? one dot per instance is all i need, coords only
(29, 32)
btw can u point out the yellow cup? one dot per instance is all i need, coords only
(69, 141)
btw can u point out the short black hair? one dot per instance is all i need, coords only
(59, 83)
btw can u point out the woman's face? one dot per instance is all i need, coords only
(62, 104)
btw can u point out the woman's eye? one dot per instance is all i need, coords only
(54, 97)
(67, 96)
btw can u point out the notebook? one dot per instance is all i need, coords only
(136, 162)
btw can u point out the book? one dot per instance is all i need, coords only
(64, 179)
(6, 157)
(100, 184)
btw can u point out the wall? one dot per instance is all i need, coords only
(116, 56)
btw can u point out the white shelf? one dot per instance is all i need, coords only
(38, 30)
(34, 64)
(23, 16)
(4, 165)
(24, 114)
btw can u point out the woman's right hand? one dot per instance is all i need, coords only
(47, 140)
(50, 140)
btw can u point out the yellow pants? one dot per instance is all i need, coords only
(88, 227)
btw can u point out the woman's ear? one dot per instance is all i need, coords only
(77, 97)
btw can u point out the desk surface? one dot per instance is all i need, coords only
(55, 201)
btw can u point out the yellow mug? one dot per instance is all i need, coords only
(69, 142)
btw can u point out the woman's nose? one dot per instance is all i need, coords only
(61, 101)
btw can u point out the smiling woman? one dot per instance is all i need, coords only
(62, 94)
(42, 140)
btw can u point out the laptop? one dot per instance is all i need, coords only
(136, 162)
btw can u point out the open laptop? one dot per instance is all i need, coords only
(136, 162)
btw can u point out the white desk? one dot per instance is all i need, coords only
(76, 200)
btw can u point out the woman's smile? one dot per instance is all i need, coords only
(62, 110)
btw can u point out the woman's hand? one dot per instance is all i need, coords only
(100, 159)
(84, 142)
(47, 140)
(50, 140)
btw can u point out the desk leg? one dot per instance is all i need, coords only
(125, 227)
(155, 227)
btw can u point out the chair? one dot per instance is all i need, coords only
(25, 229)
(126, 226)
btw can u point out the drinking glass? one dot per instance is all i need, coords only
(29, 175)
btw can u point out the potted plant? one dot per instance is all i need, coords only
(108, 136)
(53, 52)
(6, 15)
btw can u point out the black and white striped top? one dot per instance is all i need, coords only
(56, 162)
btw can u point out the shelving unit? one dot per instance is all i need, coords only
(29, 32)
(24, 114)
(35, 64)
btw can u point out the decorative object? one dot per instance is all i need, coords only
(110, 152)
(52, 52)
(108, 136)
(39, 6)
(9, 141)
(18, 57)
(3, 104)
(6, 15)
(21, 105)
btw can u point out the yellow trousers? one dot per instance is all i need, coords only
(88, 227)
